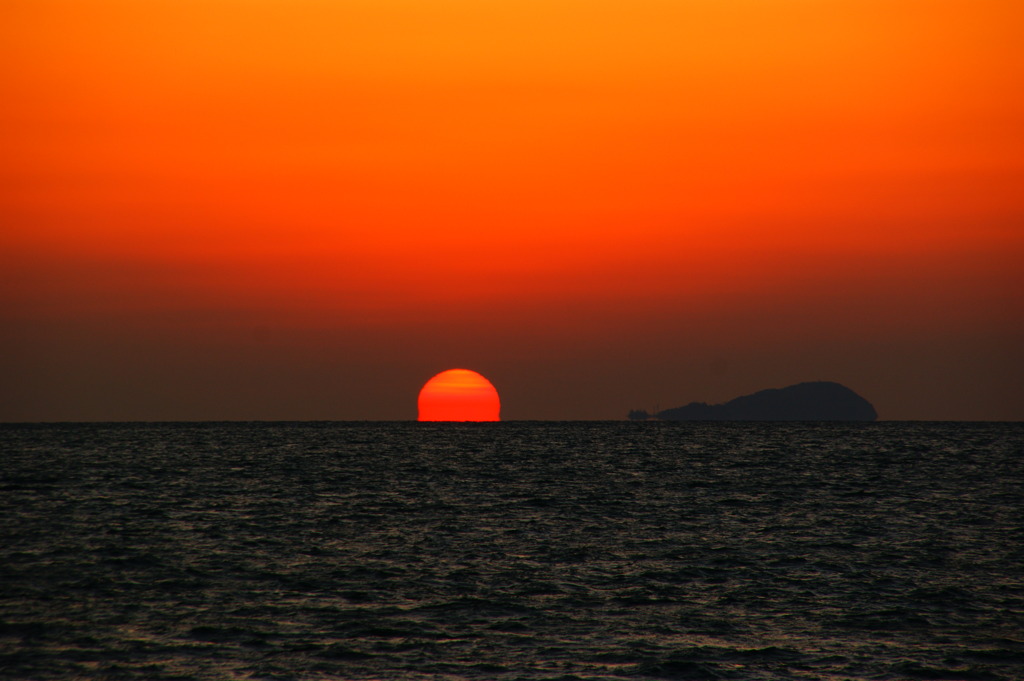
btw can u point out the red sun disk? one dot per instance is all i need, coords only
(459, 395)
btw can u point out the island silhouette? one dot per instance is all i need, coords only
(811, 401)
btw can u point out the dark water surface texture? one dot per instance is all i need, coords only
(512, 551)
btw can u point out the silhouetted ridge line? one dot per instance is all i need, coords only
(812, 401)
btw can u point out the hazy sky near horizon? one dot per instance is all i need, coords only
(304, 209)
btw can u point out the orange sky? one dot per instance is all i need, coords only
(304, 209)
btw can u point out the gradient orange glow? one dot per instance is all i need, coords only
(615, 195)
(459, 395)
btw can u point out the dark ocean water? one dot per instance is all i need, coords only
(512, 551)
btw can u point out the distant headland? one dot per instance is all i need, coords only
(813, 401)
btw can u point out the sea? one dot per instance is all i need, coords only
(563, 551)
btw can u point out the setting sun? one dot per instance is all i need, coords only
(459, 395)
